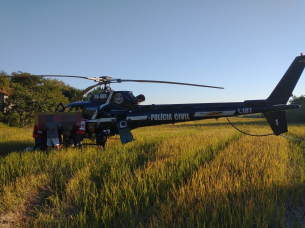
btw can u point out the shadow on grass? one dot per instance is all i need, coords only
(13, 146)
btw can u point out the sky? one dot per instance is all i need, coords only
(244, 46)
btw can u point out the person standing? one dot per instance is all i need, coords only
(52, 136)
(67, 132)
(39, 136)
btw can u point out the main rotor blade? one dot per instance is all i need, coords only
(33, 75)
(96, 79)
(165, 82)
(107, 79)
(79, 96)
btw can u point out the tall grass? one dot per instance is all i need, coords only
(196, 174)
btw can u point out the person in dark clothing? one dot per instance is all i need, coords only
(39, 136)
(68, 135)
(138, 99)
(52, 136)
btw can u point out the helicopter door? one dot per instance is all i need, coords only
(124, 130)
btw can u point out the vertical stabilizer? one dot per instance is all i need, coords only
(284, 89)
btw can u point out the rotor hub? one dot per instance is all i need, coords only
(105, 78)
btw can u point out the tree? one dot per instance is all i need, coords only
(94, 91)
(32, 94)
(4, 82)
(70, 92)
(297, 115)
(298, 100)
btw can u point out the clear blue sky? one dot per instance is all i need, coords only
(243, 45)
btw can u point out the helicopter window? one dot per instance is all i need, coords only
(88, 112)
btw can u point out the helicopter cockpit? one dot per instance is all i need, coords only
(101, 104)
(121, 99)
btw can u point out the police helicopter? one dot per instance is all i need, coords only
(118, 112)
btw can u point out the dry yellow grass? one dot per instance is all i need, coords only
(195, 174)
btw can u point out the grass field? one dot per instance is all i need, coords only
(194, 174)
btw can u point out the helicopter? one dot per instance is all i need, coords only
(118, 112)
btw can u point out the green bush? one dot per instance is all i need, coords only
(296, 115)
(11, 120)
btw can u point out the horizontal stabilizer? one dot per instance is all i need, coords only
(277, 121)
